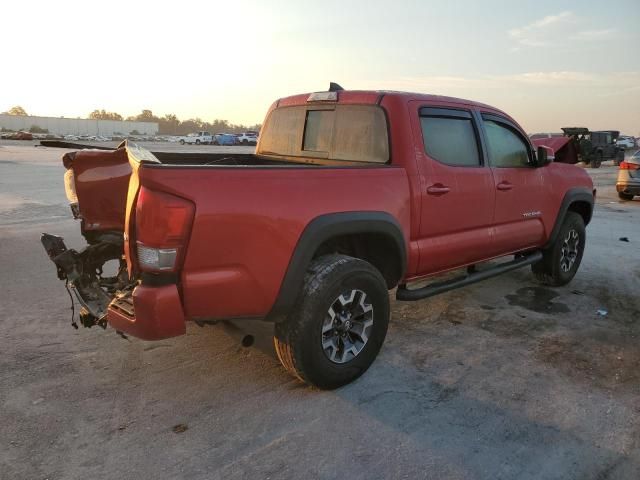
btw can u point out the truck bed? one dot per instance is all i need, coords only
(229, 159)
(200, 159)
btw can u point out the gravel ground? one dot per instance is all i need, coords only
(500, 380)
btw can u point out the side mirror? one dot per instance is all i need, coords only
(542, 157)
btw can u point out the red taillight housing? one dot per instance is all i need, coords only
(629, 166)
(163, 225)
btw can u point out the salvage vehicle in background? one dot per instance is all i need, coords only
(197, 138)
(605, 147)
(349, 194)
(628, 182)
(581, 145)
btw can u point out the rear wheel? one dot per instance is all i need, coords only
(561, 260)
(625, 196)
(245, 142)
(181, 142)
(338, 325)
(197, 142)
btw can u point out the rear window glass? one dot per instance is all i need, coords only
(356, 133)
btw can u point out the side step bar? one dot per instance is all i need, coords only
(403, 293)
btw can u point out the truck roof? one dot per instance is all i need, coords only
(374, 96)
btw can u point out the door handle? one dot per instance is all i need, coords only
(504, 186)
(437, 189)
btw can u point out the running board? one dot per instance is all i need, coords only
(440, 287)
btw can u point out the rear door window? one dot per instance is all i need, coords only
(450, 137)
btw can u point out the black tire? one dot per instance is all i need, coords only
(625, 196)
(197, 142)
(551, 270)
(245, 142)
(181, 142)
(299, 340)
(597, 160)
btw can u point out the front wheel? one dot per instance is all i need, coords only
(625, 196)
(181, 142)
(338, 325)
(597, 160)
(561, 260)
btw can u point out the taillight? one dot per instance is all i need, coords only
(163, 223)
(629, 166)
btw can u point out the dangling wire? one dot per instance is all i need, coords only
(73, 306)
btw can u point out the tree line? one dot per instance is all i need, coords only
(168, 124)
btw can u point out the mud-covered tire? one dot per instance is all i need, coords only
(625, 196)
(299, 340)
(550, 270)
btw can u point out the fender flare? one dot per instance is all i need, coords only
(321, 229)
(577, 194)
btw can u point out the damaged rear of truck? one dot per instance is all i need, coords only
(106, 277)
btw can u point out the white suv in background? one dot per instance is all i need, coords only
(626, 141)
(248, 138)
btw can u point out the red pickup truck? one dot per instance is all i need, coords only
(349, 195)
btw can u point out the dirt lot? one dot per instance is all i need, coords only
(501, 380)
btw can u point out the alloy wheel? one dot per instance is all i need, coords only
(347, 326)
(569, 251)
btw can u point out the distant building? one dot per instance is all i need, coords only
(77, 126)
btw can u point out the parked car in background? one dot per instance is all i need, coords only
(248, 138)
(227, 139)
(628, 182)
(626, 142)
(21, 136)
(197, 138)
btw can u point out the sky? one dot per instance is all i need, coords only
(547, 63)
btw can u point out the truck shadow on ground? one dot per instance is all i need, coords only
(453, 404)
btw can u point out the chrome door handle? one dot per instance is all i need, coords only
(438, 189)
